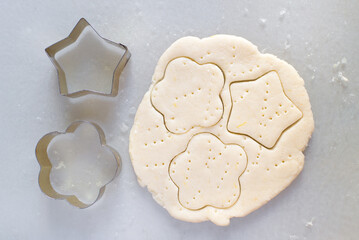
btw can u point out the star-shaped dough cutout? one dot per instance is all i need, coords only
(261, 109)
(86, 63)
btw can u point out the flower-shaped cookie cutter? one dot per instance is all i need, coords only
(46, 165)
(71, 39)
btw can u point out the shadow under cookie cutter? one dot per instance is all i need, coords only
(46, 165)
(71, 39)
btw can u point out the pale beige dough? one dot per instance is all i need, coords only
(207, 172)
(271, 155)
(261, 110)
(190, 99)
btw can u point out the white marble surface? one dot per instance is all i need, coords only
(322, 203)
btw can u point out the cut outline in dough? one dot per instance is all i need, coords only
(178, 188)
(252, 80)
(220, 97)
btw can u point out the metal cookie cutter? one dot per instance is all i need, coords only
(71, 39)
(46, 166)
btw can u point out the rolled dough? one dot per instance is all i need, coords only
(221, 130)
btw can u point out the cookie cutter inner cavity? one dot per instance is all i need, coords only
(76, 165)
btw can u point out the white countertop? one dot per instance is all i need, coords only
(311, 35)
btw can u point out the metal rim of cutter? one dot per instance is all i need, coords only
(46, 166)
(73, 36)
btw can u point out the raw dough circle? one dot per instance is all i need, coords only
(221, 130)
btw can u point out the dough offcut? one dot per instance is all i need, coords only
(221, 130)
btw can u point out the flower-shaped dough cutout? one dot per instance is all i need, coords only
(210, 179)
(261, 110)
(76, 165)
(189, 95)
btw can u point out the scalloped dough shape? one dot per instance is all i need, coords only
(153, 146)
(207, 173)
(188, 95)
(261, 110)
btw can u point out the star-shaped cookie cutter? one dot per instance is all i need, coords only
(46, 165)
(71, 39)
